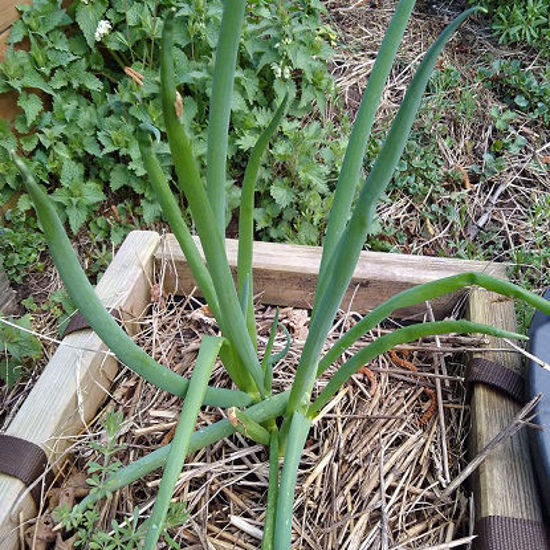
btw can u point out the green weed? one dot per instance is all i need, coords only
(80, 113)
(18, 348)
(521, 89)
(520, 21)
(123, 534)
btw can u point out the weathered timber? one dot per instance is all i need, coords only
(7, 294)
(73, 385)
(286, 275)
(4, 42)
(504, 485)
(9, 13)
(8, 100)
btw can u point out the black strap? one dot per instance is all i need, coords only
(497, 376)
(78, 322)
(25, 461)
(503, 533)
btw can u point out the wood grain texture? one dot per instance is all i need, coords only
(71, 388)
(504, 484)
(4, 42)
(9, 13)
(7, 294)
(286, 275)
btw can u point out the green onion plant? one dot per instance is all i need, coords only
(280, 421)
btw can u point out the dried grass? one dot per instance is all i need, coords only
(373, 472)
(497, 216)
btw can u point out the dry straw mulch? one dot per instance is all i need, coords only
(376, 462)
(500, 216)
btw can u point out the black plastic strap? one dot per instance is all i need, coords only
(497, 376)
(503, 533)
(25, 461)
(78, 322)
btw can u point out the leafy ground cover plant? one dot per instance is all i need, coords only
(123, 535)
(282, 421)
(520, 88)
(82, 97)
(18, 347)
(524, 21)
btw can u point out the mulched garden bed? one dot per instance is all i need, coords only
(374, 469)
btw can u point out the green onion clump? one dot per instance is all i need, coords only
(280, 422)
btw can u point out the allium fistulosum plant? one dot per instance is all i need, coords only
(280, 422)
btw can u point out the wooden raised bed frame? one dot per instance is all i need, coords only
(74, 383)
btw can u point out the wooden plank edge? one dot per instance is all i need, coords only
(8, 100)
(9, 13)
(4, 42)
(7, 295)
(505, 484)
(286, 275)
(73, 385)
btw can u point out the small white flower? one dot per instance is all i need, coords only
(277, 71)
(286, 73)
(103, 29)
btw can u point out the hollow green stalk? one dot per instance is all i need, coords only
(389, 341)
(181, 146)
(276, 357)
(172, 213)
(267, 365)
(246, 216)
(244, 298)
(299, 428)
(248, 427)
(344, 259)
(208, 352)
(220, 106)
(272, 492)
(422, 293)
(350, 173)
(83, 295)
(207, 227)
(266, 410)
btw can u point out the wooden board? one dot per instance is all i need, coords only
(286, 275)
(8, 100)
(504, 484)
(4, 42)
(9, 13)
(7, 295)
(69, 391)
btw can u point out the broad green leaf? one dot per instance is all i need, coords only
(71, 173)
(31, 105)
(88, 15)
(282, 194)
